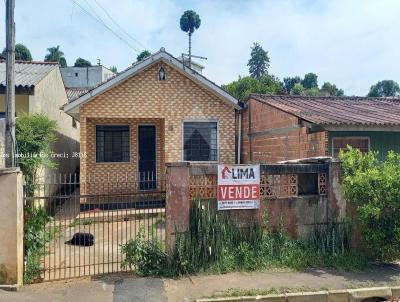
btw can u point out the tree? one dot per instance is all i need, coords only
(329, 89)
(114, 69)
(189, 22)
(55, 55)
(385, 88)
(297, 89)
(259, 61)
(289, 83)
(35, 134)
(310, 81)
(22, 53)
(82, 63)
(244, 86)
(143, 55)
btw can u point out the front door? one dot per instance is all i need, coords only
(147, 157)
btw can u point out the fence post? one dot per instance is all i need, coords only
(177, 205)
(12, 228)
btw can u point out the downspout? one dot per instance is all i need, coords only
(250, 131)
(239, 147)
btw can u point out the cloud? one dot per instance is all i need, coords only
(352, 43)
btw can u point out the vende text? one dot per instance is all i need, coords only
(238, 192)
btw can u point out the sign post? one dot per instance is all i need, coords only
(238, 187)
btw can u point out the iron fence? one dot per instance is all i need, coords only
(61, 216)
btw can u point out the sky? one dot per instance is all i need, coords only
(351, 43)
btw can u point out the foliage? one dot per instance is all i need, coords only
(385, 88)
(190, 21)
(289, 83)
(297, 89)
(331, 90)
(143, 55)
(36, 236)
(147, 256)
(114, 69)
(34, 134)
(373, 187)
(244, 86)
(22, 53)
(80, 62)
(259, 61)
(55, 55)
(218, 242)
(310, 81)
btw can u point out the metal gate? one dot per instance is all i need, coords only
(113, 212)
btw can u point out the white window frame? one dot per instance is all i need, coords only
(183, 139)
(350, 137)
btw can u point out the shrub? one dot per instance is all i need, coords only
(373, 186)
(146, 256)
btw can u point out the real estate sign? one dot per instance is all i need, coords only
(238, 187)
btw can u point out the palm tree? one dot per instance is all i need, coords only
(55, 55)
(190, 21)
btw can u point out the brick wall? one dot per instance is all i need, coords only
(270, 135)
(144, 99)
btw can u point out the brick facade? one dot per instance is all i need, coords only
(270, 135)
(143, 99)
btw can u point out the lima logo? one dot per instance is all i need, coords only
(237, 173)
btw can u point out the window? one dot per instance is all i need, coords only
(112, 144)
(307, 184)
(200, 141)
(76, 74)
(339, 143)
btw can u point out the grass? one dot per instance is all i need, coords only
(240, 292)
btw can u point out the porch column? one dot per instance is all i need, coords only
(177, 202)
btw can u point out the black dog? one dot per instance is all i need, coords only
(82, 239)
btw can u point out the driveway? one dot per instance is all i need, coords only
(127, 288)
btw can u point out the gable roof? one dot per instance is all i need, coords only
(27, 74)
(73, 93)
(335, 111)
(72, 108)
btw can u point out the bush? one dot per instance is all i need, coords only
(147, 257)
(374, 188)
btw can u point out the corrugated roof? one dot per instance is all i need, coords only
(73, 93)
(338, 110)
(27, 74)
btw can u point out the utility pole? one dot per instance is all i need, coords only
(10, 85)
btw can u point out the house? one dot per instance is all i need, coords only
(282, 127)
(85, 77)
(155, 112)
(39, 88)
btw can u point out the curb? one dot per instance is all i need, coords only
(346, 295)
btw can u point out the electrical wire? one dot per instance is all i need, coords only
(101, 22)
(117, 24)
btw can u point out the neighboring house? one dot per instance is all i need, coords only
(39, 88)
(155, 112)
(277, 128)
(85, 77)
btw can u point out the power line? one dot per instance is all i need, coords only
(101, 22)
(119, 26)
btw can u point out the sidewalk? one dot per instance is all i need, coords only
(124, 288)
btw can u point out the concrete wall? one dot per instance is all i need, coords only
(300, 213)
(85, 77)
(49, 96)
(2, 142)
(12, 227)
(270, 135)
(21, 103)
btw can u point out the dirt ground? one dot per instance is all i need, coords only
(126, 287)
